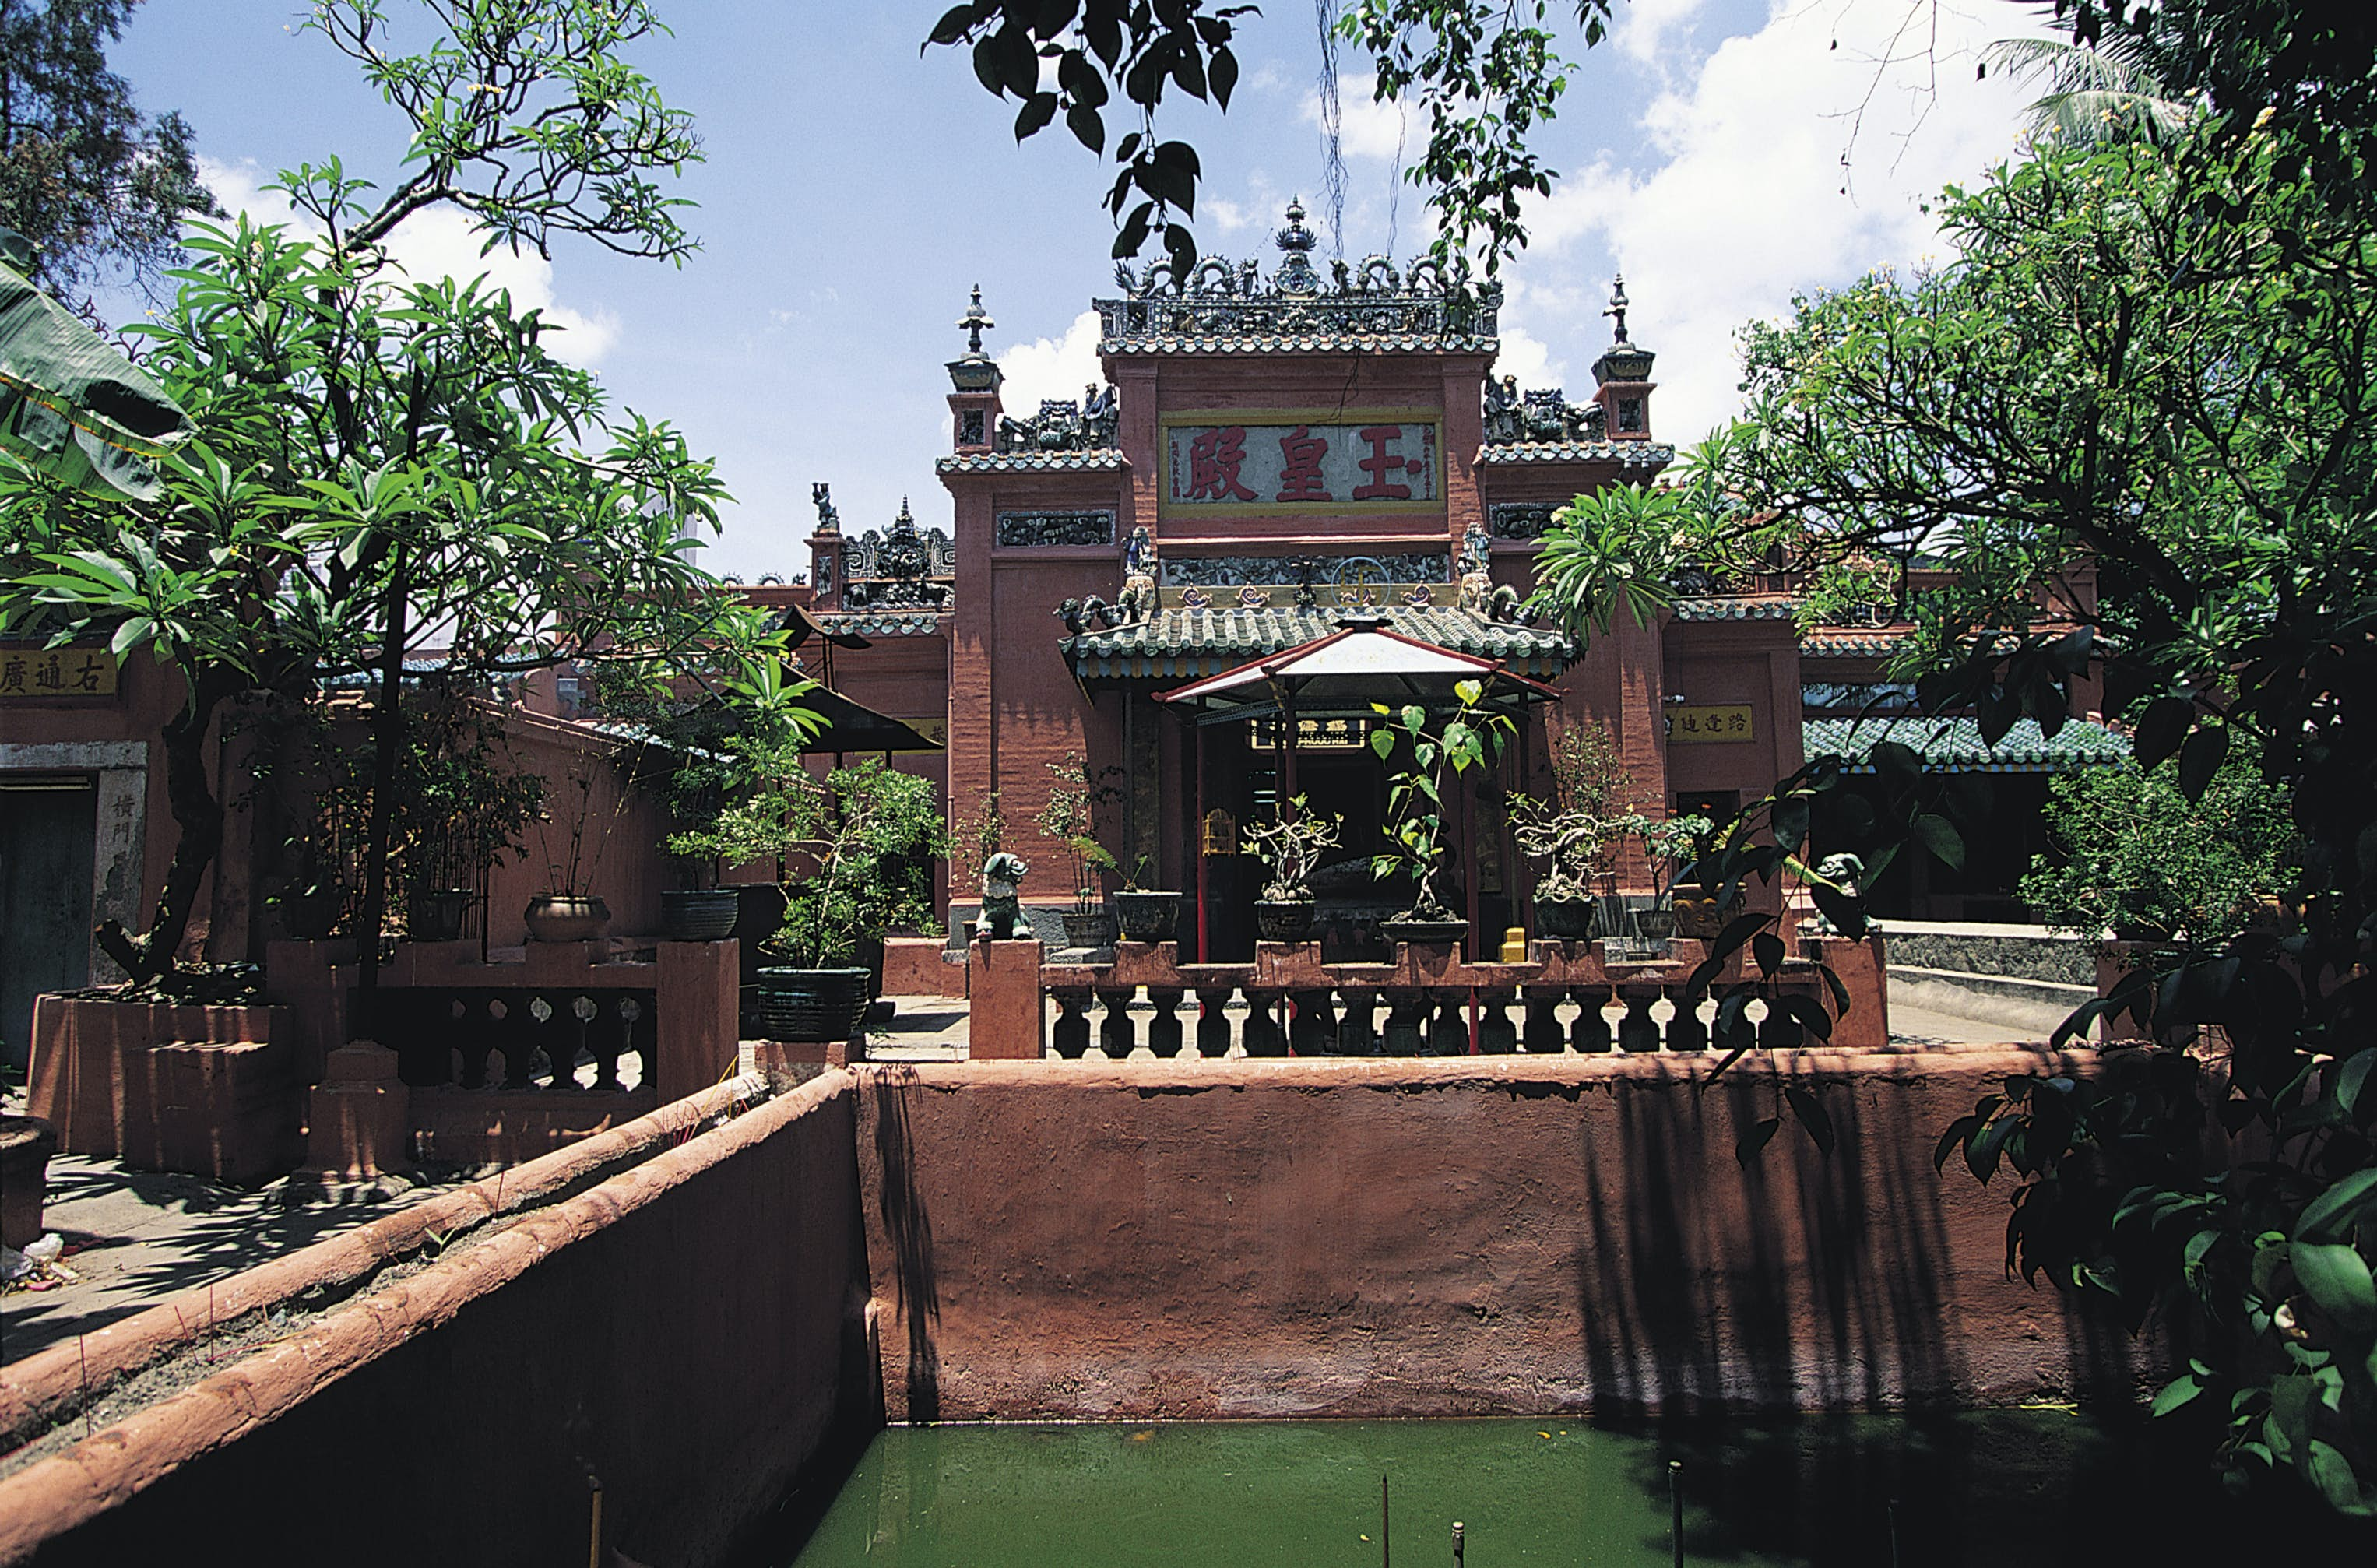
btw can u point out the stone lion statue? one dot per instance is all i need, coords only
(1000, 909)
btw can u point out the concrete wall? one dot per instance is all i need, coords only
(1278, 1240)
(686, 1330)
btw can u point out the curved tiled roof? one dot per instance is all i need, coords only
(1631, 454)
(1738, 608)
(1299, 342)
(1100, 460)
(1955, 745)
(1184, 642)
(1824, 644)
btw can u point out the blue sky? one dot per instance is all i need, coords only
(854, 191)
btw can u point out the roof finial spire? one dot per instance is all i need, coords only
(973, 322)
(1617, 304)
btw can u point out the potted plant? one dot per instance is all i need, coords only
(1291, 846)
(1435, 753)
(460, 810)
(1679, 906)
(851, 842)
(1148, 914)
(567, 911)
(1071, 819)
(1572, 833)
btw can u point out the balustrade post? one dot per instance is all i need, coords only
(1496, 1035)
(1542, 1034)
(1355, 1034)
(1213, 1020)
(1404, 1014)
(1163, 1029)
(606, 1035)
(1264, 1036)
(1071, 1035)
(1638, 1031)
(1117, 1032)
(1313, 1029)
(474, 1036)
(1448, 1025)
(1687, 1031)
(1590, 1032)
(1778, 1031)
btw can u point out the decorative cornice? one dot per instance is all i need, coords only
(1628, 454)
(1733, 607)
(1106, 462)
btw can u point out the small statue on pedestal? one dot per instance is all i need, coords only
(1002, 874)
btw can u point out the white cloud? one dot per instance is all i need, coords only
(1052, 367)
(439, 243)
(1640, 31)
(1745, 197)
(1366, 128)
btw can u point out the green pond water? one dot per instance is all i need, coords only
(2026, 1487)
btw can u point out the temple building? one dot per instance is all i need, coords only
(1276, 457)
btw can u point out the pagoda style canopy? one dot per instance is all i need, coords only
(1339, 675)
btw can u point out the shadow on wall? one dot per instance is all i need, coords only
(1800, 1280)
(909, 1233)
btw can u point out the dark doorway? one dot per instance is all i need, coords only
(48, 831)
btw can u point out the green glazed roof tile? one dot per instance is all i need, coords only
(1955, 745)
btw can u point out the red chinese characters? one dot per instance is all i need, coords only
(1381, 464)
(1215, 459)
(1300, 478)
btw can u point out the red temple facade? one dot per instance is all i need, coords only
(1272, 455)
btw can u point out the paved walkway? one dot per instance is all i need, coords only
(135, 1237)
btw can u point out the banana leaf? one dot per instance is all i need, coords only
(71, 405)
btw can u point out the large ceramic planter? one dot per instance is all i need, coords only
(1654, 925)
(810, 1005)
(707, 917)
(1424, 933)
(557, 917)
(437, 916)
(1089, 927)
(1698, 913)
(1566, 919)
(1283, 920)
(1148, 915)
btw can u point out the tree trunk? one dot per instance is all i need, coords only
(387, 731)
(197, 813)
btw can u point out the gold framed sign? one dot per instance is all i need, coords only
(1311, 735)
(57, 675)
(1712, 724)
(1303, 462)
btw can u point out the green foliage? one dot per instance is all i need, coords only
(1435, 751)
(81, 175)
(2151, 364)
(860, 845)
(381, 461)
(2134, 854)
(1486, 73)
(733, 759)
(1621, 549)
(1069, 816)
(1291, 845)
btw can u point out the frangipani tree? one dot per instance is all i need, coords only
(384, 463)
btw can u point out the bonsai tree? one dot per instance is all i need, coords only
(1290, 846)
(854, 841)
(1433, 752)
(1674, 845)
(1070, 817)
(1572, 833)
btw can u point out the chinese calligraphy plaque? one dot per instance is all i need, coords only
(1709, 726)
(1264, 462)
(31, 673)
